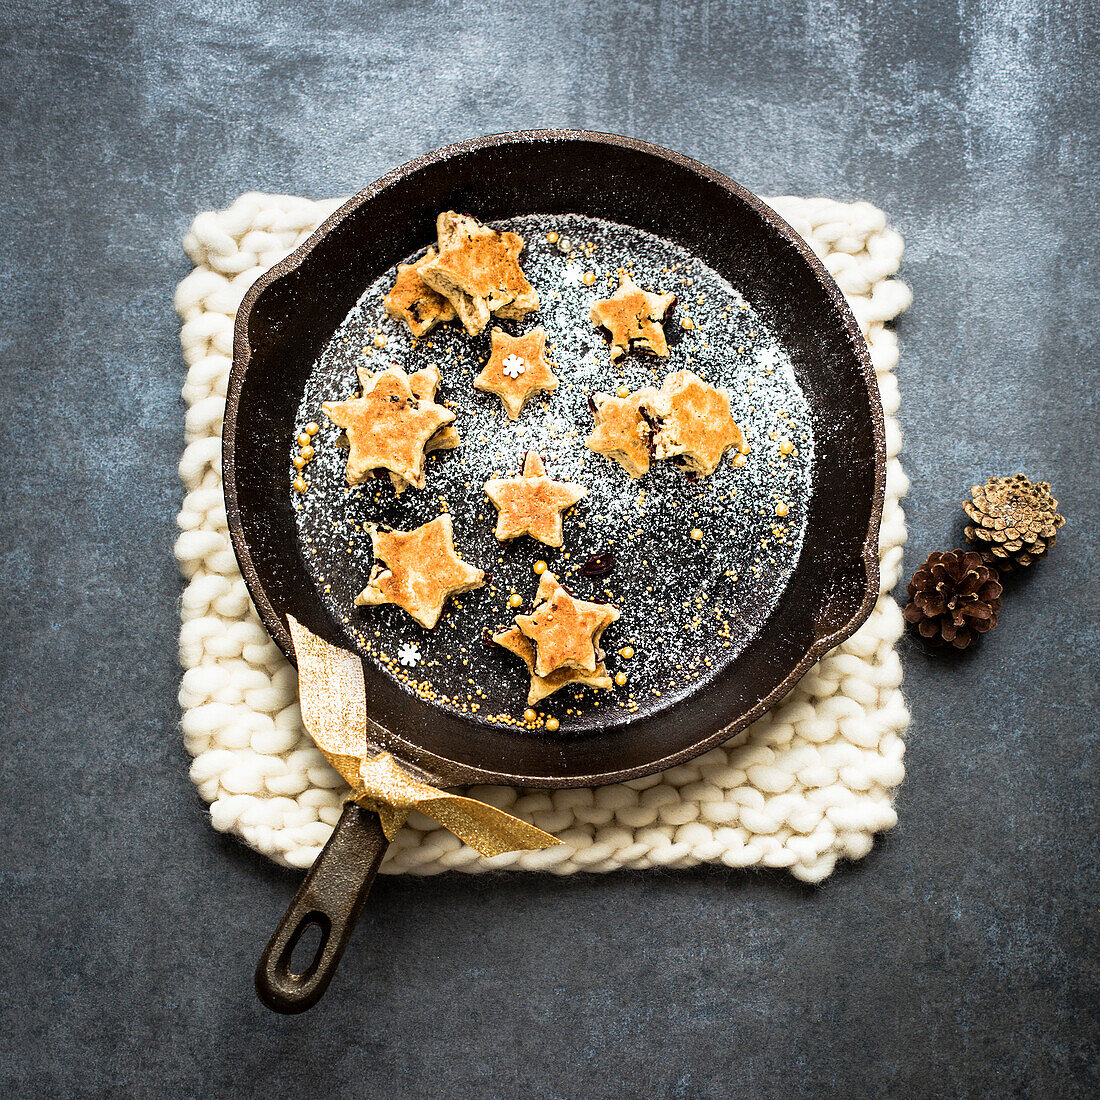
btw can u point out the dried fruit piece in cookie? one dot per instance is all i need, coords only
(388, 427)
(632, 318)
(414, 302)
(515, 641)
(517, 369)
(694, 424)
(533, 503)
(566, 630)
(477, 270)
(417, 570)
(620, 431)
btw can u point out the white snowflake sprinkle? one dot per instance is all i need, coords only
(514, 366)
(408, 655)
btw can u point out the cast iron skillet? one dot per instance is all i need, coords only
(291, 312)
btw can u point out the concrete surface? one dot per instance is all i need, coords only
(958, 960)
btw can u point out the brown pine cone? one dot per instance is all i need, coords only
(953, 597)
(1013, 521)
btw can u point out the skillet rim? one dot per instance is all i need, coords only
(431, 764)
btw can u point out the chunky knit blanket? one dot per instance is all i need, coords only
(809, 783)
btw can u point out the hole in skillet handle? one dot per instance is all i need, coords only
(330, 899)
(307, 945)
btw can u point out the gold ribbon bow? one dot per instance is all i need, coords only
(334, 709)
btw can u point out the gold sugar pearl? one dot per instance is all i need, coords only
(739, 460)
(627, 651)
(622, 391)
(552, 237)
(786, 447)
(299, 462)
(529, 715)
(515, 599)
(620, 678)
(589, 278)
(307, 452)
(687, 322)
(781, 508)
(540, 566)
(303, 439)
(745, 448)
(552, 724)
(300, 484)
(312, 428)
(696, 534)
(380, 341)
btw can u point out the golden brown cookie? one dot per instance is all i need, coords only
(388, 427)
(418, 570)
(620, 431)
(517, 369)
(477, 270)
(694, 424)
(414, 302)
(566, 631)
(633, 318)
(533, 503)
(515, 641)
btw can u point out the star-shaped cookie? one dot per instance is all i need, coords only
(566, 631)
(620, 431)
(515, 641)
(414, 302)
(515, 382)
(477, 270)
(633, 318)
(694, 423)
(389, 426)
(533, 503)
(417, 570)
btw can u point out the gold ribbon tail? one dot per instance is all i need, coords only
(385, 787)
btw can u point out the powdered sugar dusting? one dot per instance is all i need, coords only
(700, 564)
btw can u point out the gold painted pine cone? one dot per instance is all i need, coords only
(954, 598)
(1013, 522)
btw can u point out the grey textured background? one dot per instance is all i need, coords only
(959, 959)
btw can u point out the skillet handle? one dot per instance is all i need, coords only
(330, 898)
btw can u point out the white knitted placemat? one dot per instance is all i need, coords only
(809, 782)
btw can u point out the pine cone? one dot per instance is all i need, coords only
(1013, 520)
(954, 597)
